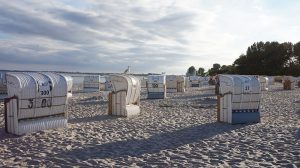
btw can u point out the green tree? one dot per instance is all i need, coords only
(240, 64)
(214, 70)
(227, 69)
(264, 59)
(297, 51)
(191, 71)
(201, 72)
(216, 66)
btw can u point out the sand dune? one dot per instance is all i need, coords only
(180, 131)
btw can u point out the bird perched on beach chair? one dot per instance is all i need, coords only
(127, 71)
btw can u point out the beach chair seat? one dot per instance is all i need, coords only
(91, 83)
(181, 83)
(238, 99)
(124, 100)
(264, 83)
(156, 87)
(289, 82)
(36, 101)
(171, 83)
(194, 81)
(175, 83)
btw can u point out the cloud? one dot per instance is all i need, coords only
(150, 35)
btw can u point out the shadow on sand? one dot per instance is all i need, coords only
(195, 96)
(94, 102)
(297, 134)
(4, 135)
(154, 144)
(103, 117)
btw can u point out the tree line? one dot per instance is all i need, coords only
(261, 58)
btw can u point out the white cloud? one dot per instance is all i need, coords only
(150, 35)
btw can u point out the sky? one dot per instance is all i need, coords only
(150, 36)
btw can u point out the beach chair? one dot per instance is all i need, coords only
(203, 81)
(91, 83)
(3, 86)
(194, 81)
(181, 85)
(212, 80)
(238, 99)
(36, 101)
(144, 82)
(298, 81)
(207, 90)
(187, 82)
(205, 87)
(156, 87)
(124, 100)
(171, 83)
(264, 81)
(271, 80)
(289, 82)
(69, 80)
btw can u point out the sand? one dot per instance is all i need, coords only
(180, 131)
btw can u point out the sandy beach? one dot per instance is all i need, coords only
(180, 131)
